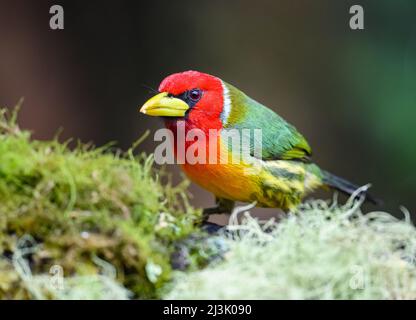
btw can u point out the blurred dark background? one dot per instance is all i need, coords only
(352, 93)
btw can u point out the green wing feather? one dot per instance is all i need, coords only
(280, 140)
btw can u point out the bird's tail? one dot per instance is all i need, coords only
(345, 186)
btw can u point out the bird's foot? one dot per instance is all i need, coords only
(224, 206)
(209, 211)
(211, 227)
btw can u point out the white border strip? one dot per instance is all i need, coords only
(226, 108)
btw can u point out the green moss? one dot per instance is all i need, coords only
(112, 226)
(81, 205)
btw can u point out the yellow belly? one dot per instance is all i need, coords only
(224, 180)
(254, 180)
(239, 183)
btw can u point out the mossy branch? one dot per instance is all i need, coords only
(110, 222)
(323, 250)
(82, 203)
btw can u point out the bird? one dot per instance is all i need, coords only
(279, 175)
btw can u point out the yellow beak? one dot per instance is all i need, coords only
(164, 106)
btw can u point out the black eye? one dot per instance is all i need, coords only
(195, 95)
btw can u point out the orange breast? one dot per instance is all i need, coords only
(224, 179)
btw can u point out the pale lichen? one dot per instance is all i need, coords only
(323, 250)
